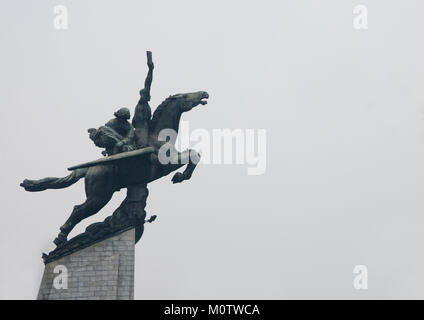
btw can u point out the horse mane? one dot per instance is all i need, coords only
(159, 110)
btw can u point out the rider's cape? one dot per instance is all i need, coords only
(114, 158)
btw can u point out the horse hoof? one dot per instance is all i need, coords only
(178, 177)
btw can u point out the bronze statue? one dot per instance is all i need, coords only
(131, 162)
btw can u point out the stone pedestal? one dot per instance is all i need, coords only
(104, 270)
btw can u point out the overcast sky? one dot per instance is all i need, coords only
(343, 111)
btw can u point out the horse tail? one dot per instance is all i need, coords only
(54, 183)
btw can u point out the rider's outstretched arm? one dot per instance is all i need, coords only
(149, 78)
(143, 113)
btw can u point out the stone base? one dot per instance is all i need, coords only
(102, 271)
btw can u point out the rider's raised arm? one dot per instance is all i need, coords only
(149, 78)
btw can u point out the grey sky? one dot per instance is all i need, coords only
(344, 114)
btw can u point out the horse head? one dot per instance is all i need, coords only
(190, 100)
(167, 115)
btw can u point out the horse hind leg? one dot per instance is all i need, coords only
(193, 160)
(91, 206)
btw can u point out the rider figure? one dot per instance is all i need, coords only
(122, 126)
(117, 135)
(143, 113)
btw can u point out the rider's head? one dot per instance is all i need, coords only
(123, 113)
(144, 95)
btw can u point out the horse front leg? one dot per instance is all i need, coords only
(192, 157)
